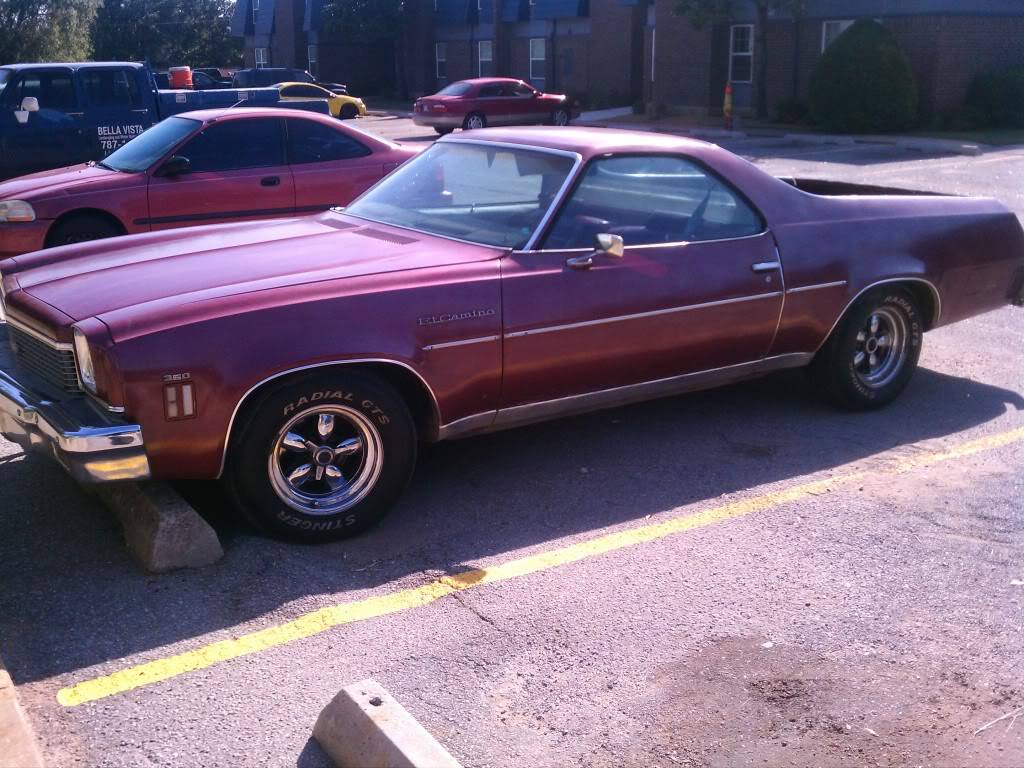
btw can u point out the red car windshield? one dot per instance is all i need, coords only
(482, 193)
(150, 145)
(455, 89)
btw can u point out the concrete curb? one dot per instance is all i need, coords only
(18, 748)
(364, 727)
(161, 529)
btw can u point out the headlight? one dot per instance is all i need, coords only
(16, 210)
(83, 356)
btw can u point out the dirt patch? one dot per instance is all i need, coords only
(746, 702)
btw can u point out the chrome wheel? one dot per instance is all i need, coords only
(561, 117)
(880, 351)
(325, 460)
(474, 122)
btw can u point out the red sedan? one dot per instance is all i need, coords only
(485, 101)
(198, 168)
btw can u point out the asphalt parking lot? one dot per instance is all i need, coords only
(738, 577)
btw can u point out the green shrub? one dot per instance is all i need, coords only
(863, 83)
(791, 111)
(995, 100)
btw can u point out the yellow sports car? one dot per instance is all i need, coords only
(344, 107)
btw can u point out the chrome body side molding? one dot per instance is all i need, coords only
(817, 287)
(521, 415)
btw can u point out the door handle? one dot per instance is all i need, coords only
(270, 181)
(766, 266)
(581, 262)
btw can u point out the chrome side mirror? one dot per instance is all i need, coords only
(28, 104)
(604, 245)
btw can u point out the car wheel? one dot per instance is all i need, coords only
(322, 458)
(348, 112)
(80, 229)
(560, 117)
(873, 351)
(474, 121)
(443, 131)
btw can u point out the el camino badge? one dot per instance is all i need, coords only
(453, 316)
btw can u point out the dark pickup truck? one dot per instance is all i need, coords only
(54, 115)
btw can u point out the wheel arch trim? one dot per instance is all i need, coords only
(313, 366)
(937, 298)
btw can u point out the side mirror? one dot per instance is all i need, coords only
(28, 104)
(175, 166)
(604, 245)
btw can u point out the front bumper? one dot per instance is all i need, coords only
(22, 237)
(91, 445)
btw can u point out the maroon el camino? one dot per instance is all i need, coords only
(495, 280)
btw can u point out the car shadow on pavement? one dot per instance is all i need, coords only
(71, 597)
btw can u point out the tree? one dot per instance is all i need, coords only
(167, 32)
(376, 23)
(703, 12)
(45, 30)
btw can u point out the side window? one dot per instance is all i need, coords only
(55, 89)
(111, 88)
(305, 92)
(313, 142)
(490, 91)
(235, 144)
(521, 90)
(651, 199)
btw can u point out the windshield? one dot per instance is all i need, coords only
(455, 89)
(149, 146)
(482, 193)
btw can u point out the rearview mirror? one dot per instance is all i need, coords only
(175, 166)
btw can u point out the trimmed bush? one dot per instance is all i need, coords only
(996, 100)
(863, 83)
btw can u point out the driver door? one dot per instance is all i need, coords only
(698, 286)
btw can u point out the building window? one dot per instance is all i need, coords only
(741, 53)
(830, 30)
(441, 60)
(485, 58)
(538, 61)
(262, 57)
(311, 58)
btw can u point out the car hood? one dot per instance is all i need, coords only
(36, 186)
(170, 271)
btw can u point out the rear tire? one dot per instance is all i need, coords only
(873, 351)
(474, 121)
(322, 458)
(348, 112)
(81, 229)
(443, 131)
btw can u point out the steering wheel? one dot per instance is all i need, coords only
(696, 218)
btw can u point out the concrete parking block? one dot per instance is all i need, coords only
(364, 727)
(18, 747)
(161, 529)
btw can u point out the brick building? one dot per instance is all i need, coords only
(619, 52)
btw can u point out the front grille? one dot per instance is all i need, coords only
(54, 365)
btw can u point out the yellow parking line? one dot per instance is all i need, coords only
(324, 619)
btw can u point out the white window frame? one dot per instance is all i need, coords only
(480, 55)
(733, 53)
(654, 41)
(544, 66)
(479, 5)
(255, 10)
(440, 54)
(844, 24)
(312, 58)
(261, 56)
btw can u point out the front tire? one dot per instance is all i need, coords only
(560, 117)
(474, 121)
(81, 229)
(322, 458)
(348, 112)
(873, 351)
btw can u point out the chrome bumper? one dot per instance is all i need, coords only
(90, 445)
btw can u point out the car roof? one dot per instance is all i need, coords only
(242, 113)
(295, 82)
(74, 65)
(587, 141)
(486, 80)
